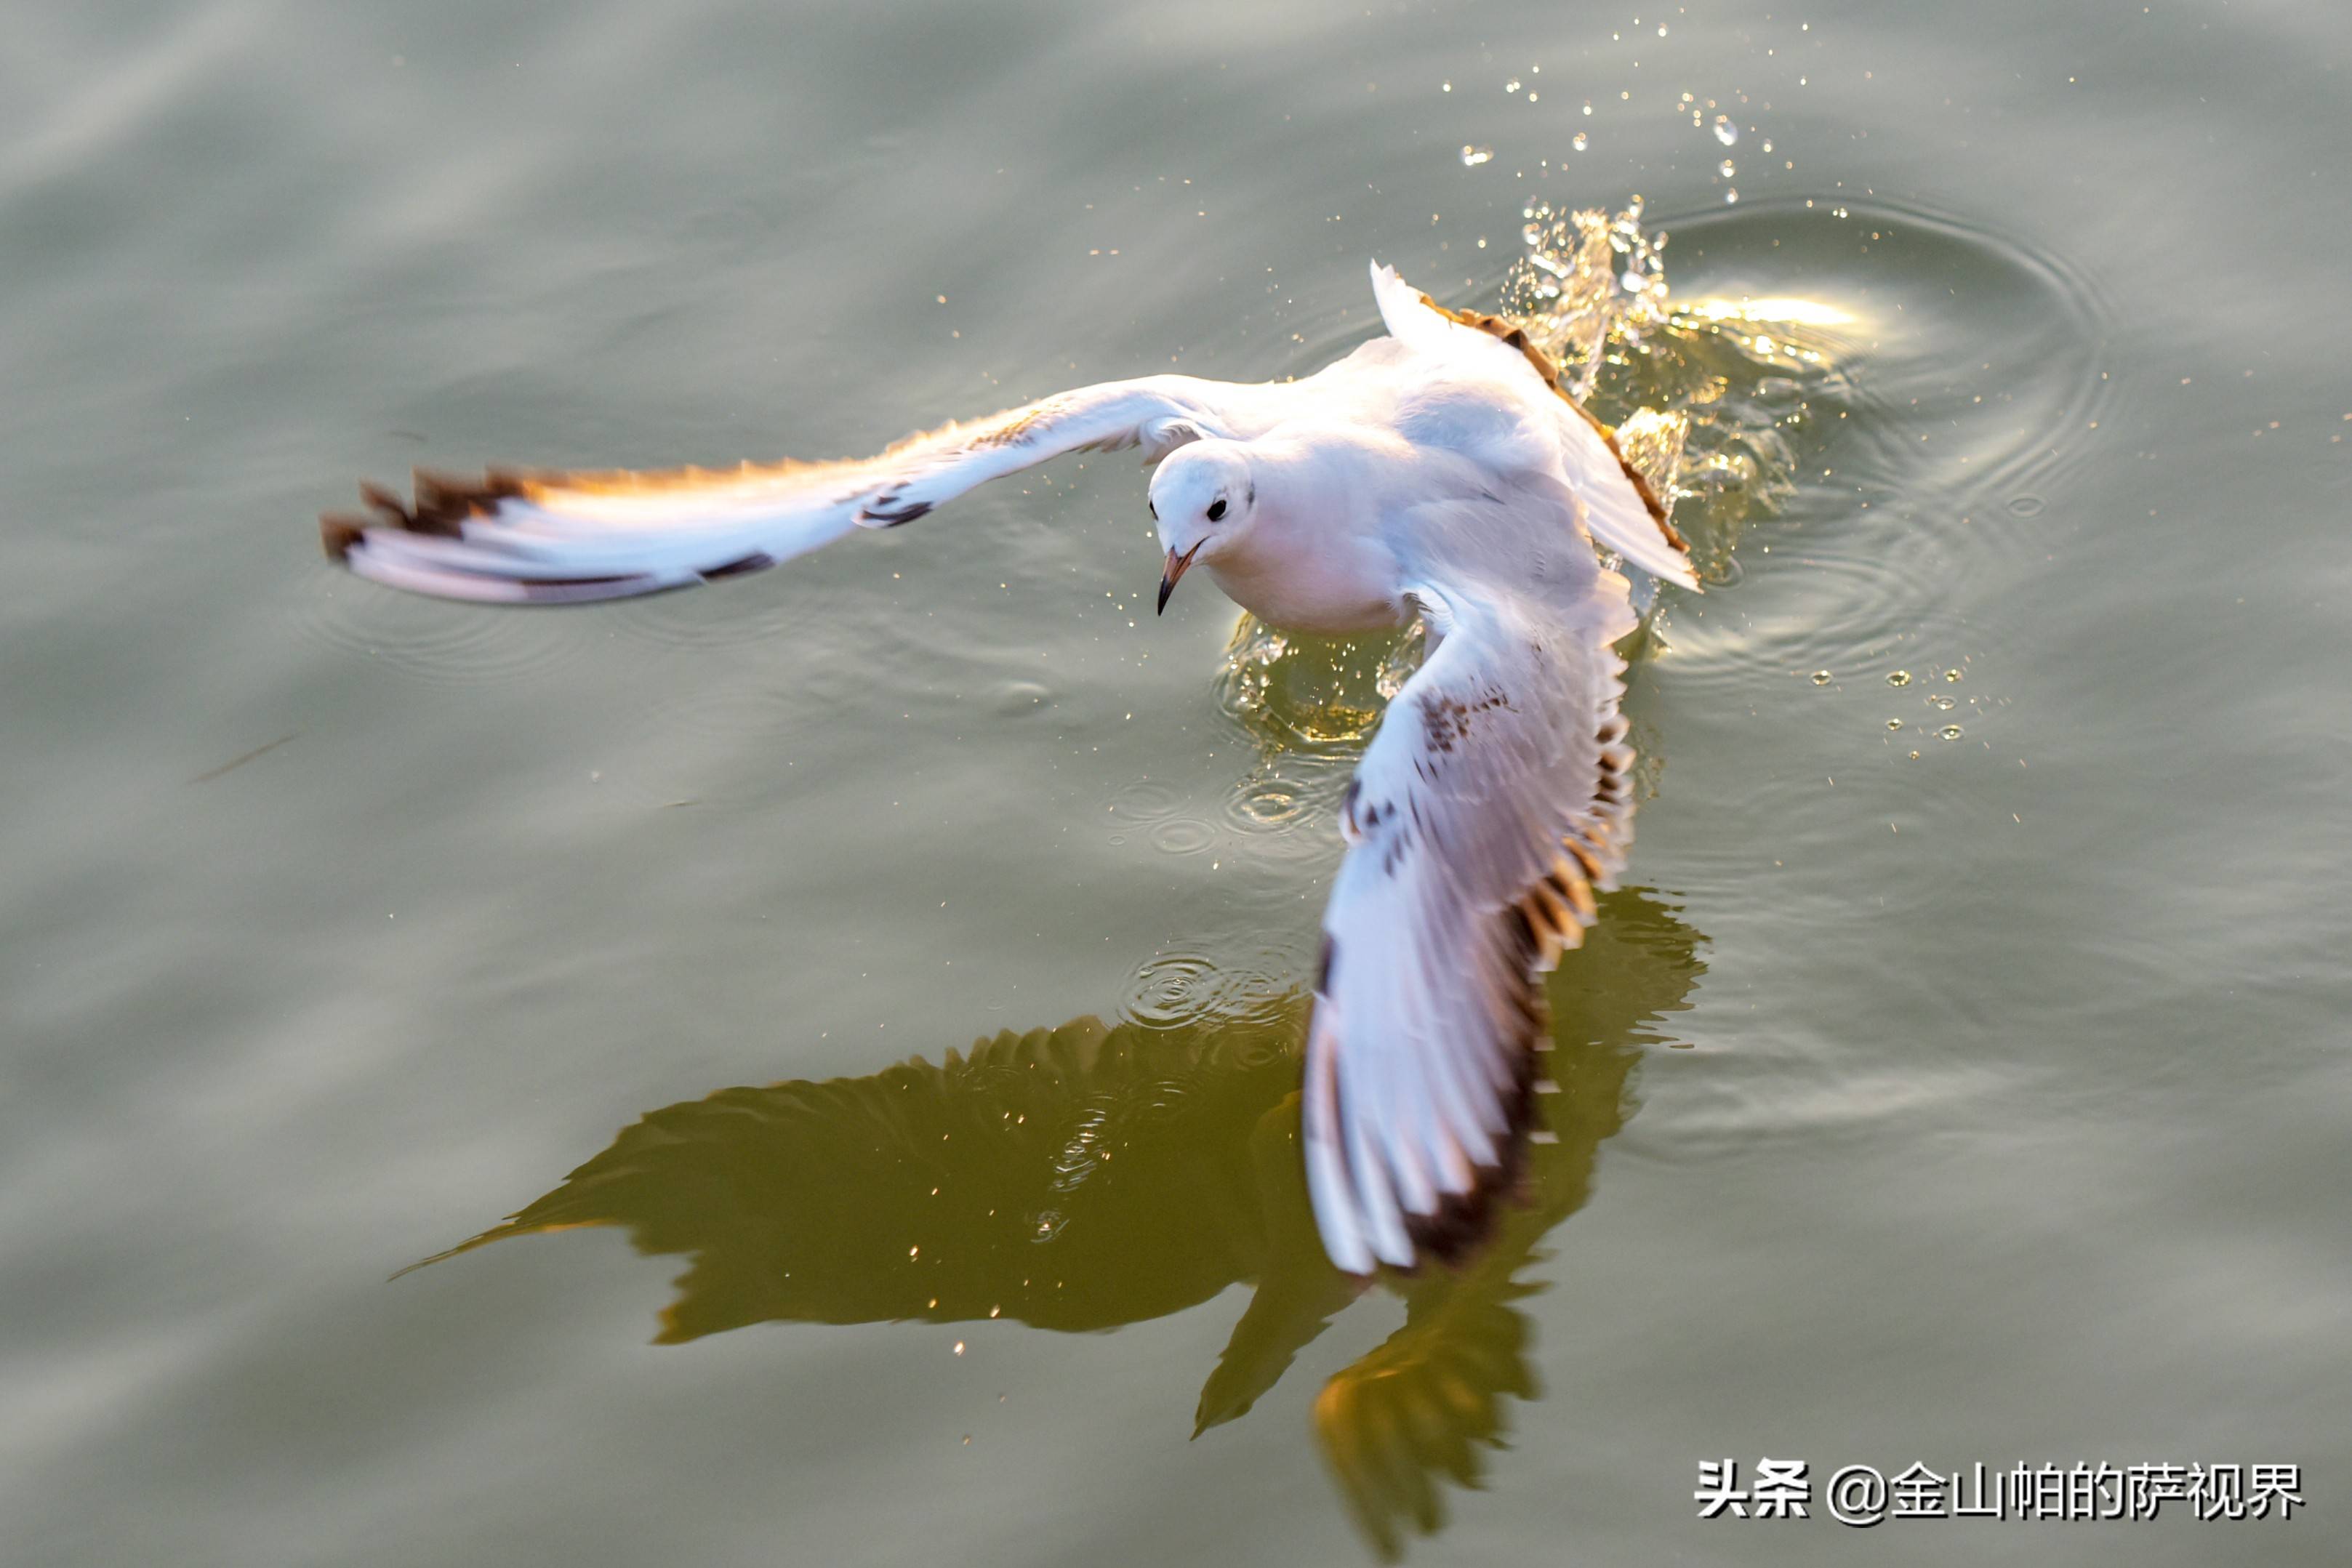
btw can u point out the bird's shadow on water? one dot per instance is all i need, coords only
(1091, 1176)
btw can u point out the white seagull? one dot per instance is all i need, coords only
(1439, 473)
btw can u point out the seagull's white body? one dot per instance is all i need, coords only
(1436, 472)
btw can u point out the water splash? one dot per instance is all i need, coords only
(1707, 393)
(1586, 276)
(1702, 396)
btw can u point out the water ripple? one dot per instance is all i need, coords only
(1176, 989)
(450, 644)
(1960, 373)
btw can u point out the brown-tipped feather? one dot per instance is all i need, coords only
(389, 509)
(339, 531)
(444, 502)
(1548, 368)
(1579, 891)
(1461, 1221)
(1548, 912)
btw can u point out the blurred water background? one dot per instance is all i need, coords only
(1965, 1080)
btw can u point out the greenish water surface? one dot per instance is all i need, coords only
(1964, 1078)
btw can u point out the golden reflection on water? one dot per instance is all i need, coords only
(1090, 1175)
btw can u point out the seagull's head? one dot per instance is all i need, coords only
(1203, 497)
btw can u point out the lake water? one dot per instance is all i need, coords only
(1963, 1079)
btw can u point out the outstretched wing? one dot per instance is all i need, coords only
(1624, 512)
(1493, 800)
(519, 537)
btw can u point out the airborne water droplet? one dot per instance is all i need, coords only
(1580, 142)
(1724, 131)
(1725, 168)
(1731, 195)
(1474, 156)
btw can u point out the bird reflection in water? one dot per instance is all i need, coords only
(1093, 1174)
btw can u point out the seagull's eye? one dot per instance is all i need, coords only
(1216, 509)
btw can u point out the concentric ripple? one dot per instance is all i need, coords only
(1142, 803)
(448, 645)
(1175, 990)
(1958, 370)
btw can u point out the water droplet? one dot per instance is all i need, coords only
(1767, 144)
(2025, 506)
(1731, 195)
(1474, 156)
(1893, 724)
(1588, 106)
(1726, 133)
(1764, 345)
(1949, 732)
(1942, 704)
(1951, 674)
(1580, 142)
(959, 1348)
(1512, 85)
(1820, 677)
(1899, 678)
(1725, 169)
